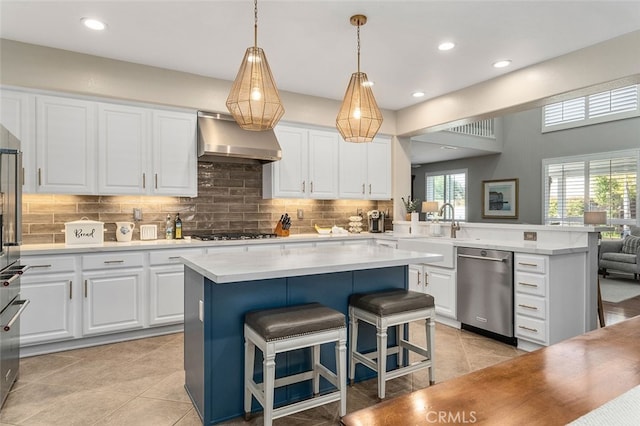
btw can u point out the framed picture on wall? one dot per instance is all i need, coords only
(500, 199)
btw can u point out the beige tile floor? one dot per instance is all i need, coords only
(141, 383)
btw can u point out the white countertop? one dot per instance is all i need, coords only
(277, 263)
(532, 247)
(44, 249)
(545, 248)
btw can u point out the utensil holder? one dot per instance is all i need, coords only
(279, 231)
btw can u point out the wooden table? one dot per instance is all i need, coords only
(553, 385)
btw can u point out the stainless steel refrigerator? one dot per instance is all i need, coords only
(11, 305)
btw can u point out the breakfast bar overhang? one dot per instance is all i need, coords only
(220, 288)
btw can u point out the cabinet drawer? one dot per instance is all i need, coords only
(531, 263)
(531, 329)
(163, 257)
(531, 306)
(49, 264)
(114, 260)
(531, 283)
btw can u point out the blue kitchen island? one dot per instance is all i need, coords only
(220, 288)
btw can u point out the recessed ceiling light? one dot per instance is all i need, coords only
(93, 24)
(501, 64)
(418, 94)
(447, 45)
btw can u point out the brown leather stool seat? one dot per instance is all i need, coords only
(391, 301)
(290, 321)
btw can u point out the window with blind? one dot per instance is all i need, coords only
(597, 108)
(598, 182)
(448, 187)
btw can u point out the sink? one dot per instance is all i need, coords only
(437, 245)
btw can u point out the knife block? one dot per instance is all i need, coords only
(279, 231)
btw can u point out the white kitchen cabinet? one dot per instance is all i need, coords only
(323, 164)
(308, 168)
(65, 145)
(175, 158)
(548, 299)
(441, 284)
(113, 292)
(166, 286)
(379, 169)
(49, 286)
(75, 146)
(18, 116)
(166, 294)
(416, 281)
(365, 169)
(143, 151)
(123, 143)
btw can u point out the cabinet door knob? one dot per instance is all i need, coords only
(39, 176)
(70, 289)
(363, 188)
(303, 186)
(85, 289)
(369, 189)
(156, 181)
(144, 180)
(311, 185)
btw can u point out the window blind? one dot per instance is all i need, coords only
(448, 187)
(604, 106)
(600, 182)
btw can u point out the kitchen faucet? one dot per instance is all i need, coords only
(454, 226)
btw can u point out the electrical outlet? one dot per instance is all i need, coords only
(137, 214)
(300, 214)
(530, 236)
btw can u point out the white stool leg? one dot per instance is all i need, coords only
(431, 338)
(400, 335)
(382, 358)
(341, 372)
(249, 357)
(315, 360)
(353, 344)
(269, 372)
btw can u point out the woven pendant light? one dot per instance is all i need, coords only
(254, 101)
(359, 118)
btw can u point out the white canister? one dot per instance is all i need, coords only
(124, 231)
(84, 232)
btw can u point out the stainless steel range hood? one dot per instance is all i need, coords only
(220, 137)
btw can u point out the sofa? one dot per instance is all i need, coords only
(620, 255)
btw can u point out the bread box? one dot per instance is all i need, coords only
(83, 232)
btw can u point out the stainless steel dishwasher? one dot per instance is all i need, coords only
(485, 290)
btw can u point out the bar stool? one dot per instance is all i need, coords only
(388, 309)
(286, 329)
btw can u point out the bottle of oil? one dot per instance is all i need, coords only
(178, 227)
(168, 228)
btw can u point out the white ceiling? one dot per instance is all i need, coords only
(311, 46)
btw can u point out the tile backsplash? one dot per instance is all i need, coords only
(229, 200)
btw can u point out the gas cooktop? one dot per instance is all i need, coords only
(232, 236)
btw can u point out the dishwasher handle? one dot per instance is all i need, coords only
(493, 259)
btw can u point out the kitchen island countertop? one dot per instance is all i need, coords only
(276, 263)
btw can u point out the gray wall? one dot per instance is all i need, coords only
(524, 149)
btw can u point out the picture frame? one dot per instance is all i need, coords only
(500, 199)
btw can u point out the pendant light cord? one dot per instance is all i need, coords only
(358, 32)
(255, 24)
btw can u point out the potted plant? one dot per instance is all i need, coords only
(411, 206)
